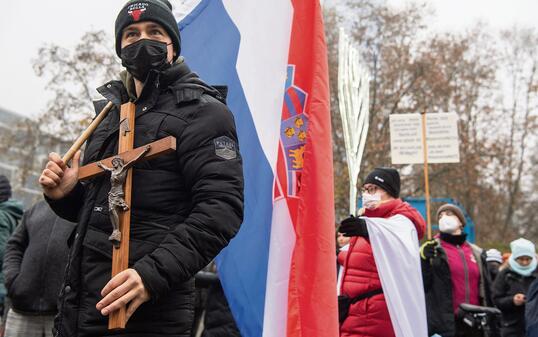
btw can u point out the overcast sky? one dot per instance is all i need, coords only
(27, 25)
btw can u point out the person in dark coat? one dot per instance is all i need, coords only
(511, 286)
(218, 318)
(453, 273)
(34, 264)
(215, 317)
(10, 213)
(494, 260)
(219, 321)
(531, 310)
(186, 205)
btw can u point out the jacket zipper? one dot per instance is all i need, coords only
(466, 272)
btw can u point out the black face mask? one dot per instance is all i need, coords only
(144, 55)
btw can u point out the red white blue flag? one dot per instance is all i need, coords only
(279, 272)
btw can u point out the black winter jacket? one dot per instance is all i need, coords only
(507, 284)
(186, 206)
(531, 310)
(219, 321)
(35, 259)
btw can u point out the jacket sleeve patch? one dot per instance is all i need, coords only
(225, 148)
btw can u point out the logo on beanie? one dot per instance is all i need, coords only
(379, 179)
(135, 10)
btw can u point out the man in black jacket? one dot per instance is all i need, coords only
(217, 316)
(34, 264)
(186, 206)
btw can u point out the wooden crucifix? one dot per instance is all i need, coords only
(121, 189)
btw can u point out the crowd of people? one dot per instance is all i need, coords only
(461, 281)
(459, 278)
(35, 244)
(55, 275)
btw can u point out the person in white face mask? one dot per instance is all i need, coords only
(453, 273)
(511, 287)
(362, 296)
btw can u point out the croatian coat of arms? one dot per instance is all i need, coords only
(293, 130)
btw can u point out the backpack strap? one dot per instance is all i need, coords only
(366, 295)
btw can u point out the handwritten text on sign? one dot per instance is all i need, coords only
(441, 134)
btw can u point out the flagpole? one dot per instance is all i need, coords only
(426, 175)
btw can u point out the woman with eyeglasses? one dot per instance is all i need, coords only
(366, 307)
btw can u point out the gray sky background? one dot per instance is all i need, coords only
(27, 25)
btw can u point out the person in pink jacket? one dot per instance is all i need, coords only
(453, 273)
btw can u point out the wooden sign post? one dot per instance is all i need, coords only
(426, 177)
(424, 139)
(120, 254)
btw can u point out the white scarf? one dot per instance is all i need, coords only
(396, 252)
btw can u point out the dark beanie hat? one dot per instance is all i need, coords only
(454, 209)
(387, 178)
(5, 188)
(159, 11)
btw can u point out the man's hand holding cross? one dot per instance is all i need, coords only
(126, 289)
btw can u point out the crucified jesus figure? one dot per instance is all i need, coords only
(116, 201)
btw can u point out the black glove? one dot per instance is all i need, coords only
(353, 226)
(428, 250)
